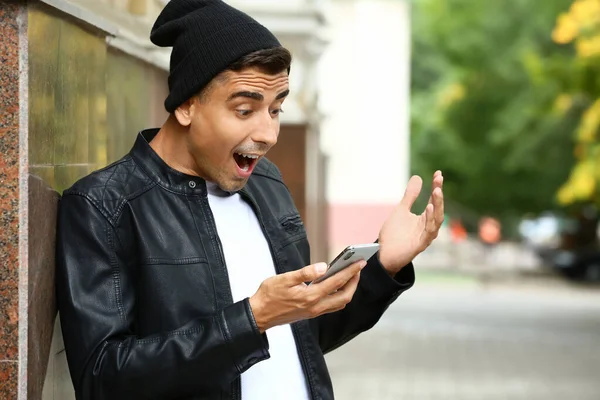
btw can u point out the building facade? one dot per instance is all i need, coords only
(364, 86)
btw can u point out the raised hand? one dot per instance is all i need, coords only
(404, 234)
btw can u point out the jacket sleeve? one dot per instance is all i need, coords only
(107, 360)
(375, 292)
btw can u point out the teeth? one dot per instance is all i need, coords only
(251, 156)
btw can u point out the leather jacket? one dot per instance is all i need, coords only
(143, 293)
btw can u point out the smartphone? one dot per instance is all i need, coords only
(347, 257)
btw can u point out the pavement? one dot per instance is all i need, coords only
(452, 338)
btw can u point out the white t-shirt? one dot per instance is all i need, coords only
(249, 262)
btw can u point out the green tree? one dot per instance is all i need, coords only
(486, 105)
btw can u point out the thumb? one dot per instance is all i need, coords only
(413, 189)
(306, 274)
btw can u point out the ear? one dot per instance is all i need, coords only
(185, 112)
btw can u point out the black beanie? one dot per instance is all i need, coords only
(207, 36)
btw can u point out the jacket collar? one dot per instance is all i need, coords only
(154, 166)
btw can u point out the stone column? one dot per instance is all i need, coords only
(27, 209)
(12, 250)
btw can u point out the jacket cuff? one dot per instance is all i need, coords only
(376, 281)
(248, 346)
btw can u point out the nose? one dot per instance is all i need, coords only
(267, 131)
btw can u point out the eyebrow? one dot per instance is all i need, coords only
(256, 96)
(282, 94)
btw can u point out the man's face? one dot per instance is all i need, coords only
(235, 124)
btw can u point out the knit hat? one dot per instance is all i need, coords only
(207, 36)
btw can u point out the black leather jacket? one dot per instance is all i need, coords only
(143, 293)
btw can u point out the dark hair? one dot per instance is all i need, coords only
(269, 61)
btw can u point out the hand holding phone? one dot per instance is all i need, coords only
(347, 257)
(285, 298)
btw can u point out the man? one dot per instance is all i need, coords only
(181, 268)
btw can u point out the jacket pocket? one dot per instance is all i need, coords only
(172, 292)
(292, 229)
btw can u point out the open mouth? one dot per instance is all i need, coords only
(245, 162)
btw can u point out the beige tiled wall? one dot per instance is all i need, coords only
(87, 102)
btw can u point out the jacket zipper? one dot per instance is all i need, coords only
(297, 338)
(236, 385)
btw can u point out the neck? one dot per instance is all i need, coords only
(171, 145)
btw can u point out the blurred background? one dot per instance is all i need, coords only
(504, 99)
(502, 96)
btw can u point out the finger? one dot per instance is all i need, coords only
(338, 280)
(350, 286)
(338, 300)
(430, 226)
(437, 182)
(306, 274)
(413, 189)
(438, 205)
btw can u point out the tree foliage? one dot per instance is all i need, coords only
(493, 104)
(580, 27)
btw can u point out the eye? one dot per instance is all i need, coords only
(244, 113)
(276, 112)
